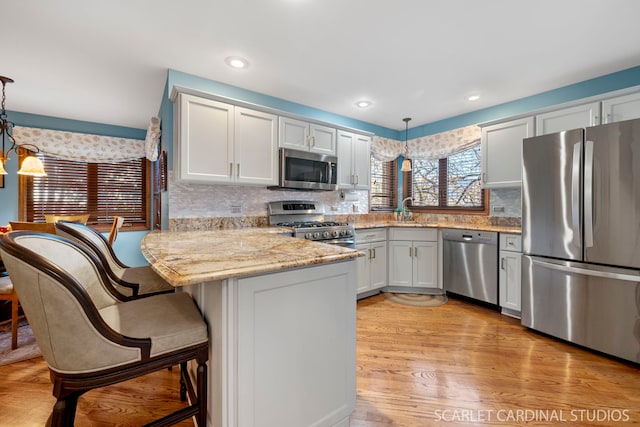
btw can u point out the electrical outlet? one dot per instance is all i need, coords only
(236, 209)
(498, 208)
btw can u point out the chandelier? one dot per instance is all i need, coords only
(31, 165)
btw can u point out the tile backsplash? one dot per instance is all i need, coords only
(508, 202)
(187, 200)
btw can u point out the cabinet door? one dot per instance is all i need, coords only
(364, 281)
(345, 141)
(378, 271)
(425, 264)
(255, 147)
(322, 139)
(293, 134)
(400, 263)
(205, 139)
(509, 279)
(502, 152)
(621, 108)
(362, 162)
(580, 116)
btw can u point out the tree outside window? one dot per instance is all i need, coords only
(452, 183)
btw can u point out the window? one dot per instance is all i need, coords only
(384, 185)
(452, 183)
(101, 189)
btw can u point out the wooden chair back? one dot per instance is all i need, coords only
(115, 227)
(44, 227)
(81, 219)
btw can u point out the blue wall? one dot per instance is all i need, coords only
(596, 86)
(127, 246)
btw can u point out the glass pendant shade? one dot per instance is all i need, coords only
(32, 166)
(2, 170)
(406, 165)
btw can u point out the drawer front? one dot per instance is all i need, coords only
(510, 242)
(371, 235)
(423, 234)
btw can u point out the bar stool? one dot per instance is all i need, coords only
(8, 293)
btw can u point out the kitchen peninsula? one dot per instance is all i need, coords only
(281, 313)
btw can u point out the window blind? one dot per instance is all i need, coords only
(384, 184)
(103, 190)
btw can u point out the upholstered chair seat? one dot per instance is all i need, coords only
(128, 280)
(90, 335)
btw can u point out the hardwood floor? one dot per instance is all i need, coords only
(454, 365)
(461, 364)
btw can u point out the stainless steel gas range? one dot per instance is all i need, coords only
(306, 218)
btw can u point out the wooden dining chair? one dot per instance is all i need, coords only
(91, 337)
(80, 219)
(8, 293)
(44, 227)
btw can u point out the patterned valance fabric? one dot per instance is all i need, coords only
(431, 147)
(83, 147)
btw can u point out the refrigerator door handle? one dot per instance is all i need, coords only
(588, 194)
(586, 271)
(575, 193)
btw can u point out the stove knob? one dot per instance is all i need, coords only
(348, 231)
(316, 235)
(336, 234)
(308, 236)
(326, 234)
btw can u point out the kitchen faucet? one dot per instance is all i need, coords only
(404, 208)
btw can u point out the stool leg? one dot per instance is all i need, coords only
(14, 324)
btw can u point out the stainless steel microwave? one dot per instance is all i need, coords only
(303, 170)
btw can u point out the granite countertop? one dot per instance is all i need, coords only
(414, 224)
(191, 257)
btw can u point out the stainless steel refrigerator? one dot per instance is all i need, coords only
(581, 237)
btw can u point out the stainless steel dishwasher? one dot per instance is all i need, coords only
(470, 259)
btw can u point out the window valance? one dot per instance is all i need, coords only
(90, 148)
(431, 147)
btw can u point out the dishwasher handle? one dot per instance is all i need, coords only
(467, 237)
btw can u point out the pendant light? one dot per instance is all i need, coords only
(406, 163)
(31, 165)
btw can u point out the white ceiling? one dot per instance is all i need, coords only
(106, 61)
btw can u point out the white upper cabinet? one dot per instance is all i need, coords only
(204, 150)
(301, 135)
(354, 169)
(222, 143)
(579, 116)
(502, 152)
(621, 108)
(255, 148)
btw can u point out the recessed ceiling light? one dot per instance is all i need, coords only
(363, 104)
(473, 97)
(236, 62)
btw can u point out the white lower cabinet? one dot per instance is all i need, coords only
(282, 347)
(509, 276)
(413, 257)
(372, 268)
